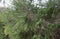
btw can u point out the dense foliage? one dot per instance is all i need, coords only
(27, 21)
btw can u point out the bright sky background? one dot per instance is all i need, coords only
(8, 2)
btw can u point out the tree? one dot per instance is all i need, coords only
(27, 21)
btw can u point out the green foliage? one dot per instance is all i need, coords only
(1, 30)
(28, 21)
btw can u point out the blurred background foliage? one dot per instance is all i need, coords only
(27, 21)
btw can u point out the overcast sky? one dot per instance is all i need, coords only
(8, 2)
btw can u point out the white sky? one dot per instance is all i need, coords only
(8, 2)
